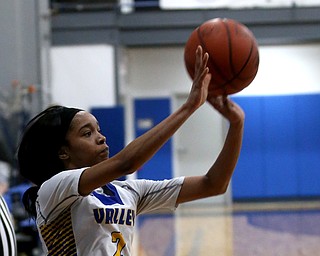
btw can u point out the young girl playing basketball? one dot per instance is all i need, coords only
(79, 206)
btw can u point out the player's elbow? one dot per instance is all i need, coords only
(217, 189)
(223, 189)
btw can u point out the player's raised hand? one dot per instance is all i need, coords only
(202, 77)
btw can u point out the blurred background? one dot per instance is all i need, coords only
(123, 61)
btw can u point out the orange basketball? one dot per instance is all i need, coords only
(233, 54)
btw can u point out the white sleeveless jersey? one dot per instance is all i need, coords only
(101, 223)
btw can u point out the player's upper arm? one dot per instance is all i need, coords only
(197, 187)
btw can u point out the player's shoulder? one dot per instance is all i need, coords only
(145, 184)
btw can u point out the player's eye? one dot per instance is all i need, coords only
(87, 133)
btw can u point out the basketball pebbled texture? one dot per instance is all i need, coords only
(233, 54)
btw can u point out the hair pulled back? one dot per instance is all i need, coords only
(38, 152)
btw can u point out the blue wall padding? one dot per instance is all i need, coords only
(308, 132)
(280, 156)
(154, 111)
(249, 176)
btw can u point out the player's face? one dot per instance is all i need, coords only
(86, 146)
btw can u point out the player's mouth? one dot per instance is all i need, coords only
(105, 152)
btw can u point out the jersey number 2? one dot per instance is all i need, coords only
(118, 239)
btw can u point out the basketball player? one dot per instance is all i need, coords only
(80, 207)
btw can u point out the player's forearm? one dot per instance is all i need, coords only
(144, 147)
(219, 175)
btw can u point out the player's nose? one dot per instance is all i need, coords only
(102, 139)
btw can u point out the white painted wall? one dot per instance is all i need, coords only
(154, 72)
(83, 76)
(287, 69)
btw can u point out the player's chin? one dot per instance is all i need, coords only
(102, 157)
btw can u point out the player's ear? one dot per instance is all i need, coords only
(63, 153)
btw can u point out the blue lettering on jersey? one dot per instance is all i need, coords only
(120, 216)
(110, 196)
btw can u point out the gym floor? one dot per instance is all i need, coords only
(243, 229)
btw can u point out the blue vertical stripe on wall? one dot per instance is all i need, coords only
(280, 156)
(148, 113)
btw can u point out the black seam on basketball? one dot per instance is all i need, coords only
(237, 75)
(211, 60)
(229, 46)
(234, 74)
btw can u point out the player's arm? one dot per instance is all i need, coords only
(140, 150)
(217, 179)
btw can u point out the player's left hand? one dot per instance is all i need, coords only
(228, 108)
